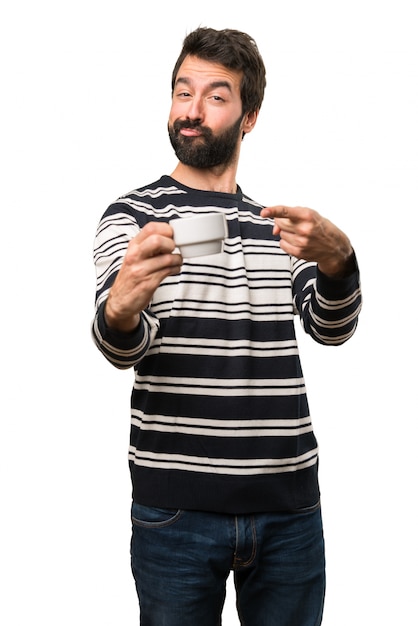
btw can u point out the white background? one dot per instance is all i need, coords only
(84, 105)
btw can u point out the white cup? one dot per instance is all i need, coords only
(199, 235)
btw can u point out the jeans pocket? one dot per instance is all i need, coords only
(153, 517)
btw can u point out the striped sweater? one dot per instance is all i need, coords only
(219, 414)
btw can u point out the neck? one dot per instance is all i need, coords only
(221, 178)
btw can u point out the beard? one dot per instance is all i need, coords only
(207, 150)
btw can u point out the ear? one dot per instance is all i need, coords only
(249, 121)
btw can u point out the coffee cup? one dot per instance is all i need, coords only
(199, 235)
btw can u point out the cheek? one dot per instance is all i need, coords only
(175, 113)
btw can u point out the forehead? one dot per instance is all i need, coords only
(200, 71)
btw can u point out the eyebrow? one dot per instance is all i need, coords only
(216, 84)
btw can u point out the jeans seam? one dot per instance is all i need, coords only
(165, 523)
(236, 563)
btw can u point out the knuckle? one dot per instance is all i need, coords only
(150, 228)
(306, 229)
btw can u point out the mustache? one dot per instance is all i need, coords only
(193, 124)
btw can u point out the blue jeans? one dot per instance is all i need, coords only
(181, 560)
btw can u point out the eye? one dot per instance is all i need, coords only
(183, 94)
(217, 98)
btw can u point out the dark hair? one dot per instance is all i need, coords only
(234, 50)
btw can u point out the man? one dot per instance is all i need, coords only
(222, 455)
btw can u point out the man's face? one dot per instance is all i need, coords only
(206, 121)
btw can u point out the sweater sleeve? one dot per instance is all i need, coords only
(123, 350)
(329, 308)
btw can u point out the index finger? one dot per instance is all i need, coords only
(155, 228)
(288, 212)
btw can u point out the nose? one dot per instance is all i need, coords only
(195, 111)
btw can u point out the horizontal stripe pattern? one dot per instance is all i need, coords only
(231, 348)
(222, 427)
(221, 387)
(218, 386)
(235, 467)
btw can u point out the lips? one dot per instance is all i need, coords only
(190, 132)
(188, 128)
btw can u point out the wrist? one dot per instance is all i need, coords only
(116, 321)
(339, 268)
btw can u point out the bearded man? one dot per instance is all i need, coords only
(223, 457)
